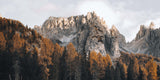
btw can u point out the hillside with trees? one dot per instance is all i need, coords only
(26, 55)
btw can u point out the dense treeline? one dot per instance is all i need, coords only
(26, 55)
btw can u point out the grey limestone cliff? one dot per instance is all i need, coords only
(147, 41)
(87, 33)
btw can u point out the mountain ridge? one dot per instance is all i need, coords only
(147, 40)
(59, 30)
(26, 55)
(87, 33)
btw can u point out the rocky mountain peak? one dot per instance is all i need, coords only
(94, 13)
(114, 28)
(151, 26)
(114, 31)
(89, 15)
(73, 21)
(146, 41)
(87, 33)
(145, 31)
(90, 33)
(142, 27)
(36, 26)
(141, 33)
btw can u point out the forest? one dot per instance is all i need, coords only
(26, 55)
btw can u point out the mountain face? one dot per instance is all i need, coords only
(147, 41)
(26, 55)
(90, 33)
(87, 33)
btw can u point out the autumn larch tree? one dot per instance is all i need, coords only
(123, 69)
(152, 70)
(101, 66)
(55, 68)
(109, 75)
(2, 41)
(133, 69)
(70, 56)
(143, 73)
(93, 61)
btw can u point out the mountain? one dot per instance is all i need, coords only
(26, 55)
(23, 51)
(90, 33)
(147, 41)
(87, 33)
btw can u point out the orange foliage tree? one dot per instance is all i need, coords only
(93, 60)
(143, 73)
(17, 43)
(2, 41)
(133, 69)
(57, 55)
(152, 70)
(70, 56)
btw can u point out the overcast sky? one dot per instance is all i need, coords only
(126, 15)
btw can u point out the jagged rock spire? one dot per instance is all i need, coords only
(146, 41)
(94, 14)
(141, 32)
(142, 27)
(89, 15)
(151, 26)
(113, 30)
(83, 20)
(36, 26)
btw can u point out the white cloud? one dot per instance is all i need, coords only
(126, 15)
(124, 20)
(103, 9)
(47, 7)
